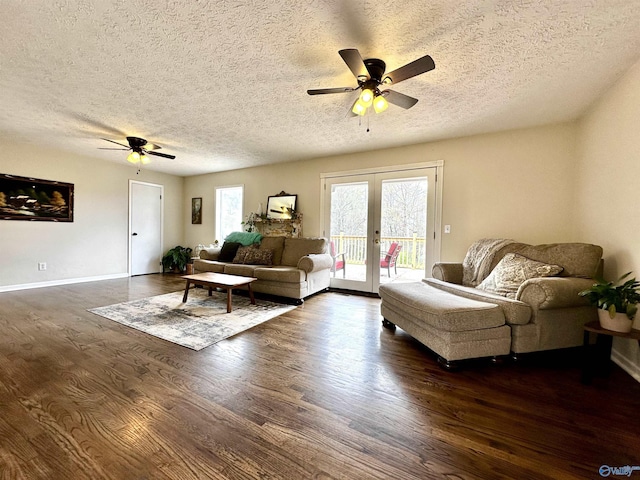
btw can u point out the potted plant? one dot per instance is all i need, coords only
(617, 302)
(176, 259)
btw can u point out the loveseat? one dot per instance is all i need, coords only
(504, 297)
(287, 267)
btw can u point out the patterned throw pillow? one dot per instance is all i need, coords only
(512, 271)
(257, 256)
(241, 254)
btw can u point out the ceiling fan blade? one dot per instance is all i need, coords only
(353, 59)
(158, 154)
(399, 99)
(412, 69)
(117, 143)
(322, 91)
(104, 148)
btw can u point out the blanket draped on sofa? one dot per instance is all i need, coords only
(477, 262)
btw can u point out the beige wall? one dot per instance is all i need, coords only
(608, 176)
(96, 243)
(516, 184)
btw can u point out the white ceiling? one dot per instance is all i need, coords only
(222, 85)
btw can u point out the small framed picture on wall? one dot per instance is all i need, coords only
(196, 211)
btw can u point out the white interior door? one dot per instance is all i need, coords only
(145, 228)
(367, 215)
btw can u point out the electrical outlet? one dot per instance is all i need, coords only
(447, 229)
(42, 266)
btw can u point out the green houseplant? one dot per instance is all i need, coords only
(615, 300)
(176, 259)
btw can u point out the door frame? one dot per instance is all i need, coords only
(130, 214)
(439, 175)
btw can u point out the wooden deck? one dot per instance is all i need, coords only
(320, 392)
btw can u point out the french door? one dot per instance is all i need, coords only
(382, 226)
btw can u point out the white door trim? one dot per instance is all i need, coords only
(129, 230)
(437, 164)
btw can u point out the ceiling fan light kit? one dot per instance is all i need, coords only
(139, 154)
(370, 75)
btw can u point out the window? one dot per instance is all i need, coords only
(228, 211)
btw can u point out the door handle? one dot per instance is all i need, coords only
(134, 234)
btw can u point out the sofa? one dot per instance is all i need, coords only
(505, 297)
(286, 267)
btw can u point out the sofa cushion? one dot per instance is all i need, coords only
(228, 251)
(280, 274)
(512, 271)
(200, 265)
(256, 256)
(515, 311)
(439, 309)
(276, 245)
(239, 269)
(577, 259)
(296, 248)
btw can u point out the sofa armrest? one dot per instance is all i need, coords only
(554, 292)
(448, 272)
(210, 253)
(314, 262)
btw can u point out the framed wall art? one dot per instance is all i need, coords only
(34, 199)
(196, 211)
(282, 205)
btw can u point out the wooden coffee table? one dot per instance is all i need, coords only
(219, 280)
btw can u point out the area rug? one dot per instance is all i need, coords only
(200, 322)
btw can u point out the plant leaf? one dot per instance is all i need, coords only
(612, 312)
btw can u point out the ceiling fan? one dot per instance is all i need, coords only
(371, 77)
(140, 148)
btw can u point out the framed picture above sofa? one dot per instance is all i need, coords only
(34, 199)
(281, 206)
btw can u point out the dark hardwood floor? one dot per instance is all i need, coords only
(321, 392)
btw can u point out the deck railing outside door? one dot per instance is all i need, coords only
(355, 248)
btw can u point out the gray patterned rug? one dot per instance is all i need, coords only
(200, 322)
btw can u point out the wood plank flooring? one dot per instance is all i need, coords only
(320, 392)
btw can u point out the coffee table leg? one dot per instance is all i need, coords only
(228, 300)
(186, 292)
(251, 297)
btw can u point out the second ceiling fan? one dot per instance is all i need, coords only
(371, 77)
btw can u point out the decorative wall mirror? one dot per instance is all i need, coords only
(281, 206)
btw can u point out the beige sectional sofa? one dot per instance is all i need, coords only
(298, 267)
(505, 297)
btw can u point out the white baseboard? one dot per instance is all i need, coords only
(626, 364)
(55, 283)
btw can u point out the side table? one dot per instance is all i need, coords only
(601, 358)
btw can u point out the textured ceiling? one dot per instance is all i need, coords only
(222, 85)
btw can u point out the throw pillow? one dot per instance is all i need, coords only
(228, 251)
(242, 253)
(512, 271)
(257, 256)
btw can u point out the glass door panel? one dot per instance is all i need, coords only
(381, 227)
(403, 223)
(348, 206)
